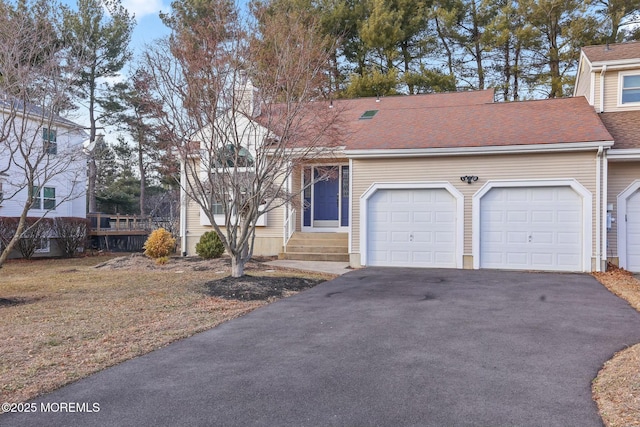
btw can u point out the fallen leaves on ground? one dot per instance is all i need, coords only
(616, 389)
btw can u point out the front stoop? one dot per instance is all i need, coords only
(317, 247)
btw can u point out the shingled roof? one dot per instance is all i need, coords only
(624, 126)
(458, 120)
(467, 119)
(612, 52)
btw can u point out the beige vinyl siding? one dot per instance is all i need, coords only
(577, 165)
(268, 238)
(621, 175)
(612, 92)
(296, 185)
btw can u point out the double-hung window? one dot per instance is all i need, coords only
(43, 198)
(49, 141)
(630, 89)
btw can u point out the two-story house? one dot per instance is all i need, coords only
(609, 78)
(41, 154)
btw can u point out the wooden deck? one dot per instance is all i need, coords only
(125, 233)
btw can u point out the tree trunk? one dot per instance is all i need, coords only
(92, 174)
(16, 237)
(237, 265)
(91, 182)
(143, 176)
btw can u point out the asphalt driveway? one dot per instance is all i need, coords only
(375, 347)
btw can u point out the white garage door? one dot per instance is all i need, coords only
(411, 228)
(531, 228)
(633, 232)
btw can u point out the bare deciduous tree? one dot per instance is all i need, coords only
(239, 145)
(36, 144)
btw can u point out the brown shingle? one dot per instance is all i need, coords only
(569, 120)
(613, 52)
(452, 120)
(624, 126)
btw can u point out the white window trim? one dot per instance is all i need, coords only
(621, 76)
(587, 212)
(44, 249)
(220, 219)
(364, 201)
(41, 199)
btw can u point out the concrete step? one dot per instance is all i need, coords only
(325, 236)
(320, 249)
(314, 256)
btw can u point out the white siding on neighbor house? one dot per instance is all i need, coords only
(580, 166)
(69, 184)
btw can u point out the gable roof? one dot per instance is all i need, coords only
(443, 122)
(624, 126)
(35, 112)
(613, 52)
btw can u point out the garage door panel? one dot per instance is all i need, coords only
(423, 237)
(542, 229)
(569, 217)
(517, 259)
(492, 237)
(516, 237)
(401, 216)
(543, 237)
(542, 217)
(400, 197)
(422, 257)
(421, 231)
(422, 217)
(444, 237)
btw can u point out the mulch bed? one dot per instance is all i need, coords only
(253, 288)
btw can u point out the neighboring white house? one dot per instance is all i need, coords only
(50, 148)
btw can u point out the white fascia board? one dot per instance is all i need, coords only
(469, 151)
(316, 152)
(621, 63)
(624, 154)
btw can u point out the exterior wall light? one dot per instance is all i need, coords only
(469, 178)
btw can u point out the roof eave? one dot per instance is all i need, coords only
(623, 154)
(614, 63)
(470, 151)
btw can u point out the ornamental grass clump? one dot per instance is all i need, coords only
(210, 246)
(160, 244)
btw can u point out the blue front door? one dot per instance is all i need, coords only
(326, 194)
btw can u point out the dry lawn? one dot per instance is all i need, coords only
(616, 389)
(72, 319)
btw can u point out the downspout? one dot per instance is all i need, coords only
(602, 73)
(605, 185)
(183, 209)
(598, 206)
(350, 231)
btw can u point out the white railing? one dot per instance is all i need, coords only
(289, 227)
